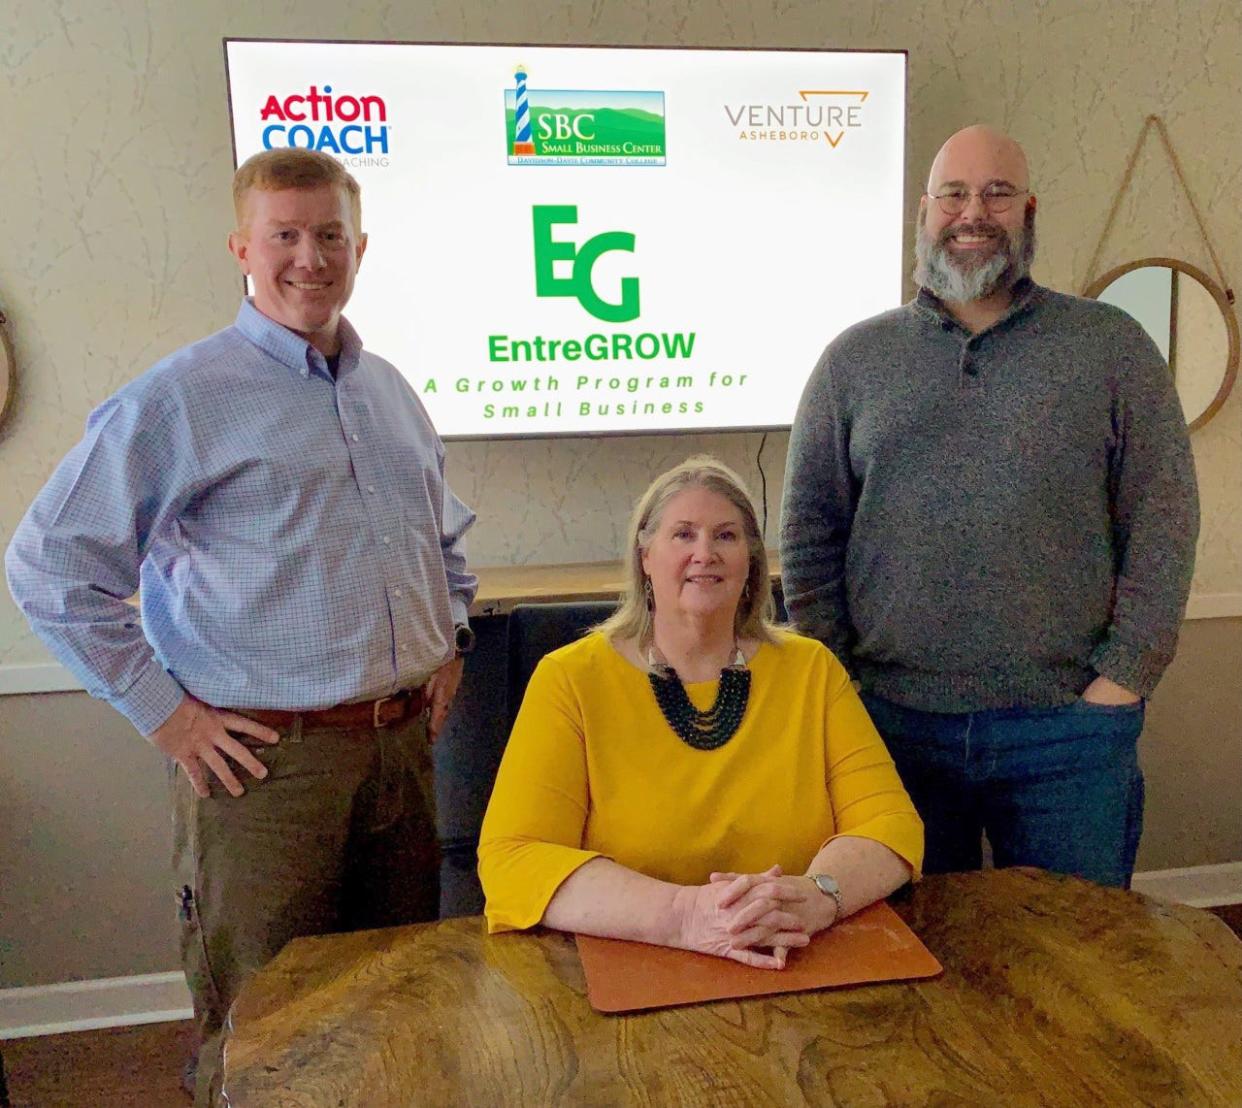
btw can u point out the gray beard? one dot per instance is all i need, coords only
(936, 270)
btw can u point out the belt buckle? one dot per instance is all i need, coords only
(400, 694)
(375, 711)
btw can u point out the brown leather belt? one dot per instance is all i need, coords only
(369, 713)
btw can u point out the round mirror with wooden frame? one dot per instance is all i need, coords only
(8, 372)
(1192, 322)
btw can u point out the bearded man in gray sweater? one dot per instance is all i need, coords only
(990, 517)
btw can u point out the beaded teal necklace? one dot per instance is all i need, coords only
(708, 730)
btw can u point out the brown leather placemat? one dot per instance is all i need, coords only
(873, 945)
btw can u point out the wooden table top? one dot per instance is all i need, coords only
(1055, 992)
(501, 587)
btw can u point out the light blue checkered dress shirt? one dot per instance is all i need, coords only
(293, 536)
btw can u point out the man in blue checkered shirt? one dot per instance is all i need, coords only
(277, 496)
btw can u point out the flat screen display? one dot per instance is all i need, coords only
(585, 240)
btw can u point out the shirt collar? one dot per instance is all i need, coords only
(1026, 295)
(290, 349)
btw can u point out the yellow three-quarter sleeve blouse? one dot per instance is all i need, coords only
(592, 768)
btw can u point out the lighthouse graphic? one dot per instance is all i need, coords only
(522, 143)
(581, 126)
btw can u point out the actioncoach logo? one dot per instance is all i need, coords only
(819, 116)
(579, 127)
(322, 119)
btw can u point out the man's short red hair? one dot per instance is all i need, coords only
(288, 168)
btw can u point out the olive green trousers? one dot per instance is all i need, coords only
(340, 836)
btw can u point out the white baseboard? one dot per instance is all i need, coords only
(87, 1005)
(1198, 886)
(37, 677)
(1220, 605)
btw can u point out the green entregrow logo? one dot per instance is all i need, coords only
(583, 127)
(583, 258)
(544, 379)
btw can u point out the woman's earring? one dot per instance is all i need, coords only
(648, 594)
(746, 593)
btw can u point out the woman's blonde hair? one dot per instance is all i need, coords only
(755, 610)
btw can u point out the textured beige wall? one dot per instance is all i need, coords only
(86, 887)
(1191, 752)
(114, 199)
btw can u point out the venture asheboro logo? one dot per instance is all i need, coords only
(822, 115)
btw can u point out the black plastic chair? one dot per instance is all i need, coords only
(466, 765)
(538, 629)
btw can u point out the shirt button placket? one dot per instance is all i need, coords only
(969, 367)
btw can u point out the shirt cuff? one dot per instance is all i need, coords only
(460, 611)
(150, 700)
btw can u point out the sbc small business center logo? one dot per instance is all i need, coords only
(583, 127)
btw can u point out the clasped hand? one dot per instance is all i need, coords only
(741, 915)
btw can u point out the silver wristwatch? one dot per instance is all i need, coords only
(827, 885)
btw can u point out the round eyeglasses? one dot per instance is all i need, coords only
(994, 198)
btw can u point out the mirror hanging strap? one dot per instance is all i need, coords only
(1158, 123)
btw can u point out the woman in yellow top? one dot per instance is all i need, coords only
(668, 771)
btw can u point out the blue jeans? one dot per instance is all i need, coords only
(1059, 788)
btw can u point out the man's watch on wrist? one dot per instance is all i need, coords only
(827, 884)
(463, 639)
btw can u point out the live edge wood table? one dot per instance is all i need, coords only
(1055, 992)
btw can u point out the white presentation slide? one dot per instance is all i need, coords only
(580, 241)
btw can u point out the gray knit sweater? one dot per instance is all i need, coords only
(991, 520)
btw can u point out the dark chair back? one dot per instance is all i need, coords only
(538, 629)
